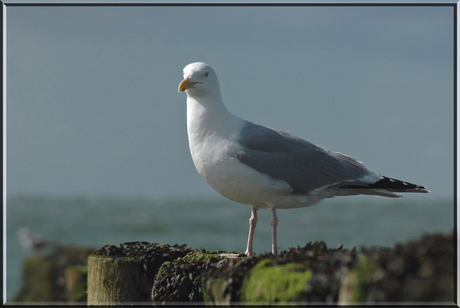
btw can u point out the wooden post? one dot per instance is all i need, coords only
(76, 278)
(45, 277)
(113, 280)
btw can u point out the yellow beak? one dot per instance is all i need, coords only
(185, 84)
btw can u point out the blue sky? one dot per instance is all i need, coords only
(93, 107)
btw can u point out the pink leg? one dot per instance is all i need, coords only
(274, 223)
(252, 228)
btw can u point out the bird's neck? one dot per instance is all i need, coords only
(209, 115)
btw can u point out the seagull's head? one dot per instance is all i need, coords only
(199, 80)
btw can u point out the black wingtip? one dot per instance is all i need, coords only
(392, 185)
(399, 186)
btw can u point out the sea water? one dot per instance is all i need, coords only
(216, 223)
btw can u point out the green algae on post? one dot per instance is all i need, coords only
(274, 283)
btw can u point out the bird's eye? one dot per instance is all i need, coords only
(206, 74)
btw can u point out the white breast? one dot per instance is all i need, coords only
(213, 146)
(232, 179)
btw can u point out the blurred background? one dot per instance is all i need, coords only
(97, 149)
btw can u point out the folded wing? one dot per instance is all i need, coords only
(304, 165)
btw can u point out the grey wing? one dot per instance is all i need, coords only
(304, 165)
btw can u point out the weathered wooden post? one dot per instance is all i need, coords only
(113, 280)
(76, 279)
(56, 276)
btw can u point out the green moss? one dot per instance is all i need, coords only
(162, 270)
(274, 283)
(76, 278)
(363, 277)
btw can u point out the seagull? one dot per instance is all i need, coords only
(266, 168)
(31, 241)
